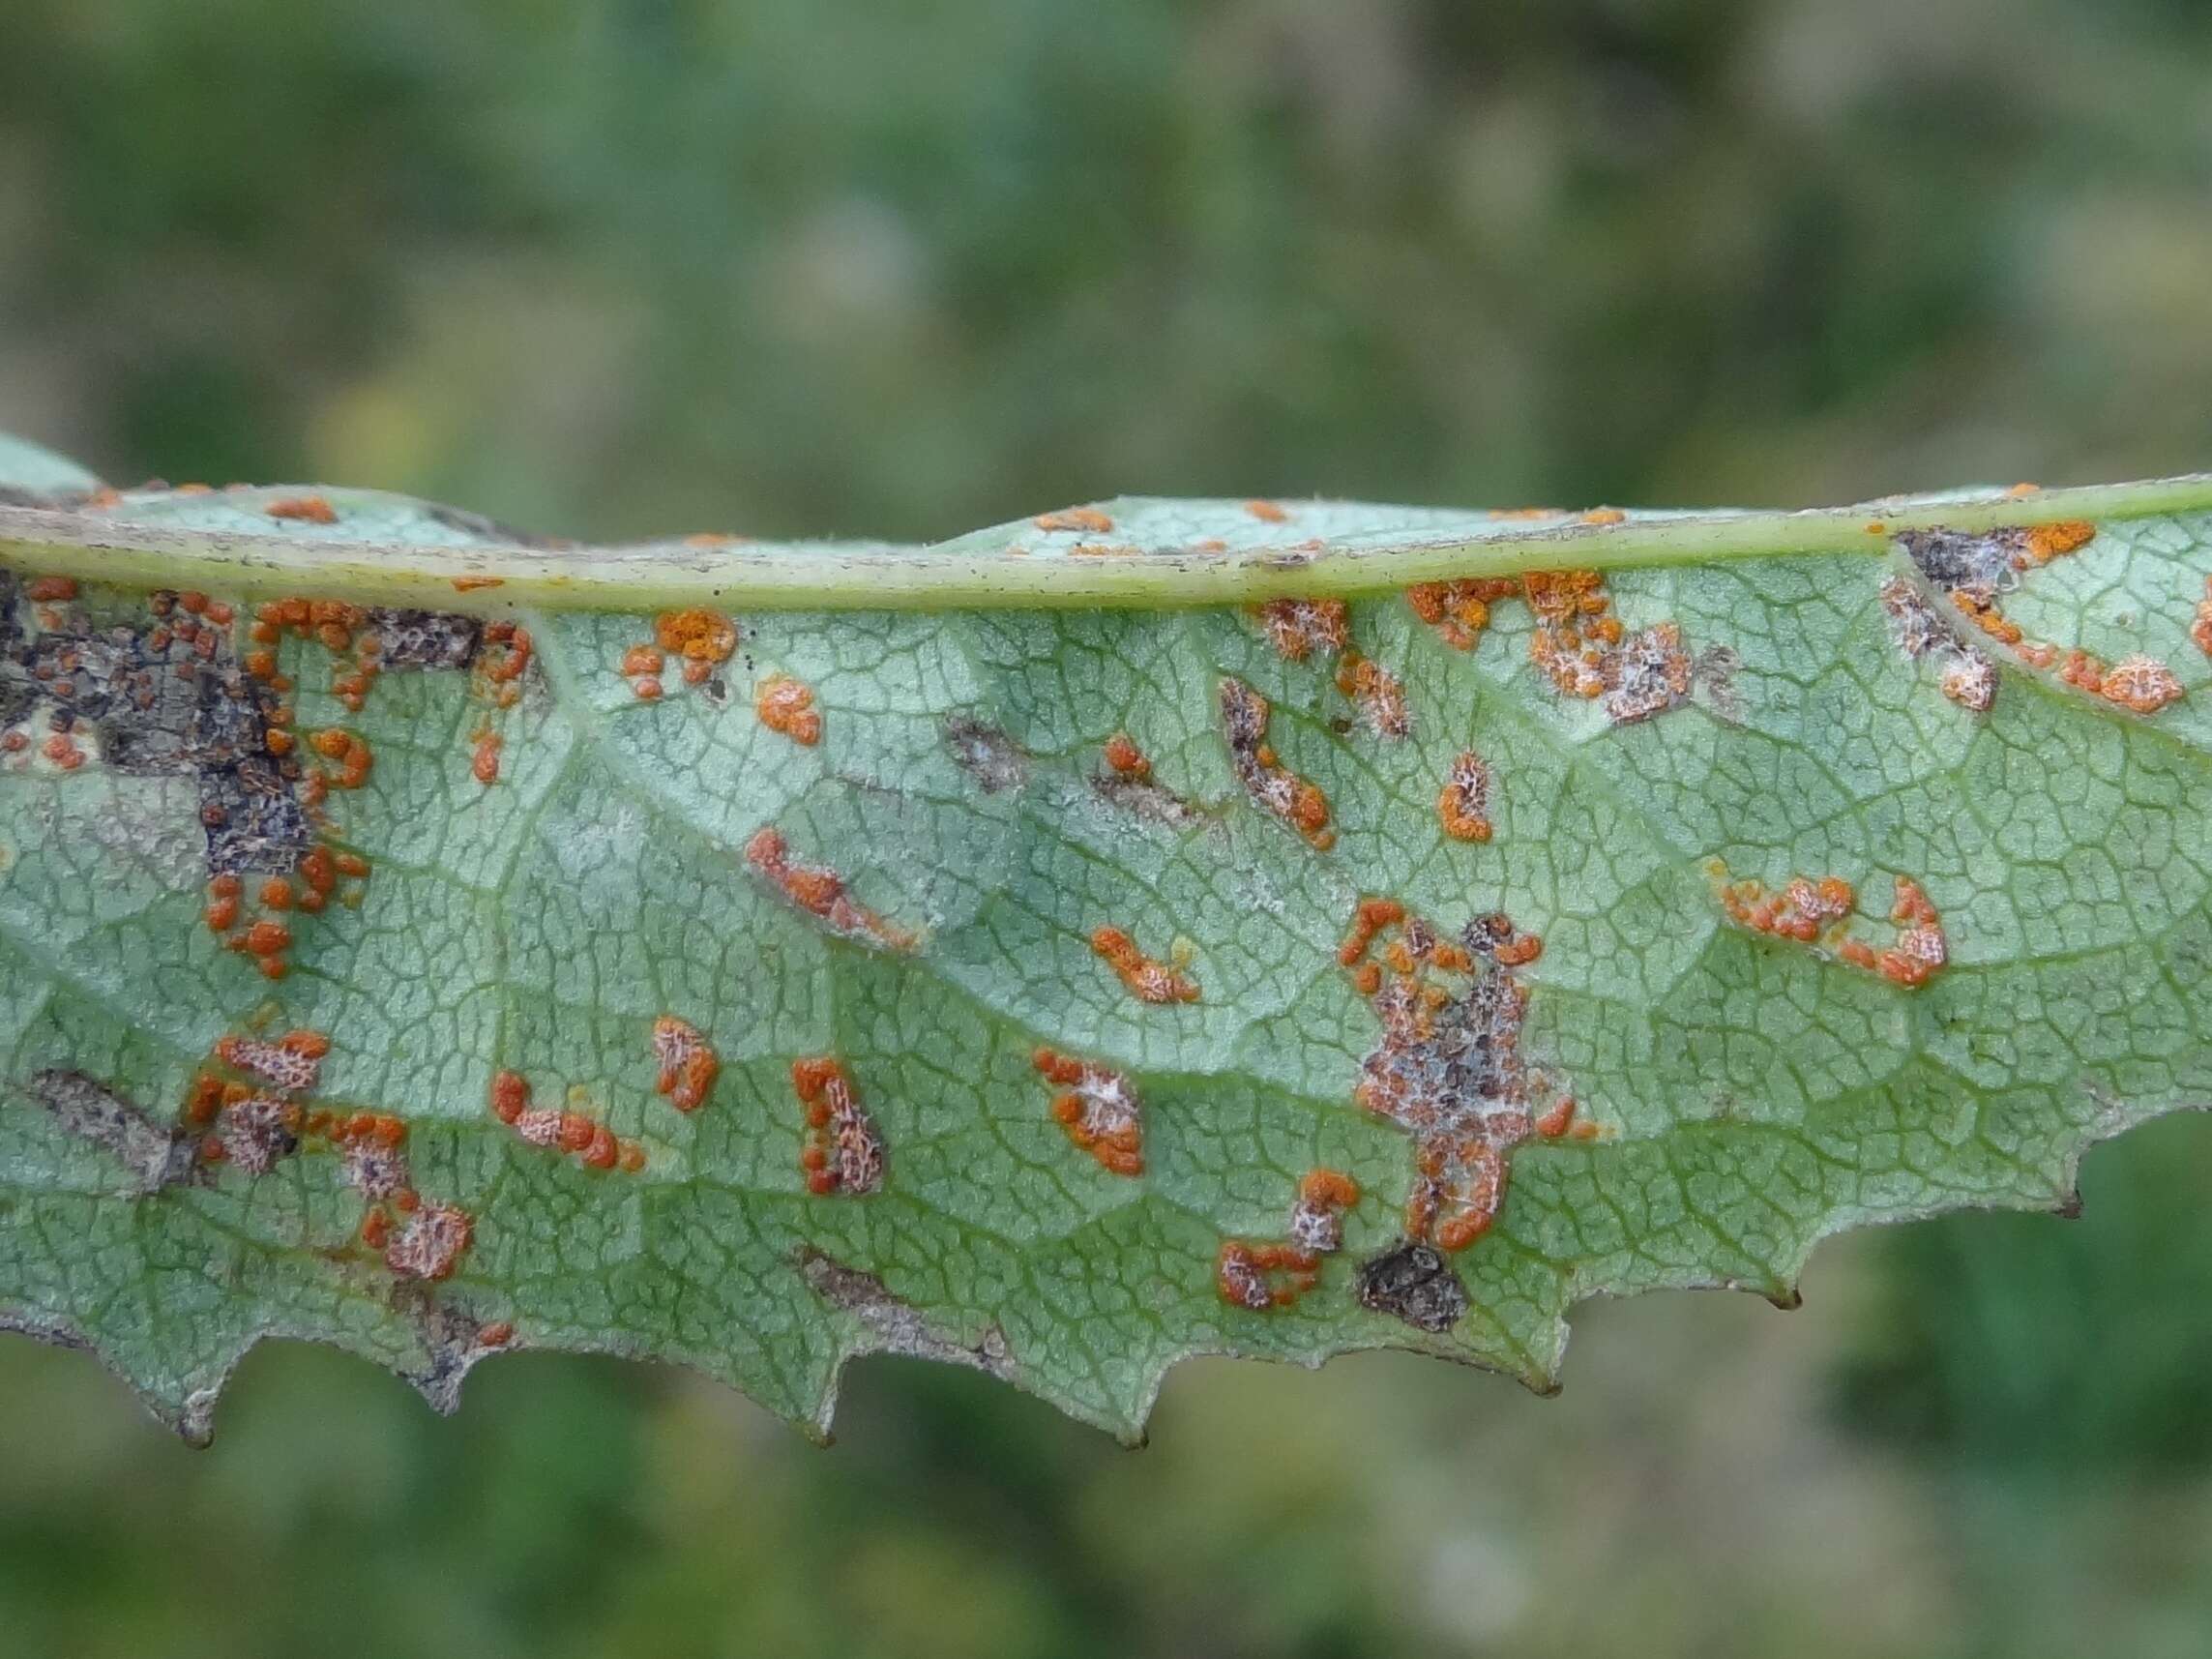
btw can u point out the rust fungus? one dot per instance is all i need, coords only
(1376, 690)
(1298, 628)
(2200, 630)
(1088, 519)
(842, 1150)
(431, 1242)
(1129, 761)
(787, 705)
(51, 589)
(1448, 1069)
(1098, 1109)
(1577, 644)
(483, 757)
(1820, 914)
(1463, 805)
(592, 1144)
(1966, 676)
(688, 1062)
(1974, 571)
(1605, 515)
(1144, 979)
(1294, 800)
(292, 1064)
(820, 891)
(1260, 1275)
(255, 1133)
(305, 509)
(1267, 512)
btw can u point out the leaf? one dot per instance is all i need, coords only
(1152, 929)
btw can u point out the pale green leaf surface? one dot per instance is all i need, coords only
(1750, 1094)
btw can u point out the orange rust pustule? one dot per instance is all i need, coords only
(1146, 980)
(1129, 761)
(1298, 628)
(1088, 520)
(1974, 570)
(292, 1064)
(1259, 1277)
(1297, 802)
(51, 589)
(484, 757)
(2200, 630)
(820, 891)
(1448, 1068)
(1097, 1109)
(1267, 512)
(305, 509)
(1463, 805)
(592, 1144)
(787, 705)
(1820, 912)
(1378, 695)
(697, 634)
(687, 1061)
(842, 1150)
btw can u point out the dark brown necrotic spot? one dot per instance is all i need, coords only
(152, 1153)
(986, 753)
(424, 640)
(254, 821)
(1413, 1282)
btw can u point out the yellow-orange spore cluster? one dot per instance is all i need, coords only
(820, 891)
(303, 509)
(501, 661)
(483, 757)
(1088, 520)
(1378, 695)
(582, 1136)
(842, 1151)
(341, 629)
(1974, 570)
(1820, 912)
(1146, 980)
(1448, 1068)
(1459, 611)
(252, 1126)
(1965, 676)
(2200, 630)
(1259, 1276)
(700, 641)
(1298, 628)
(1126, 758)
(787, 705)
(688, 1062)
(1463, 805)
(2139, 684)
(1098, 1109)
(1578, 644)
(1296, 801)
(248, 920)
(1267, 512)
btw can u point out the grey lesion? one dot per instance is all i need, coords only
(1414, 1283)
(151, 1153)
(896, 1324)
(986, 753)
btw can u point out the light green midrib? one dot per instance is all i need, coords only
(654, 575)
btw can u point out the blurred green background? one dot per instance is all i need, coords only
(796, 267)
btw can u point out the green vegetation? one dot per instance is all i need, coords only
(658, 267)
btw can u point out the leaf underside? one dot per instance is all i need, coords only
(1062, 989)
